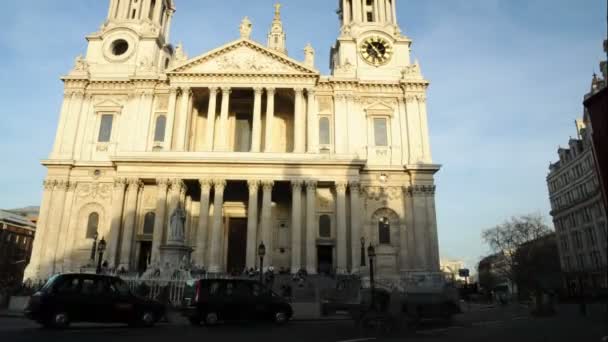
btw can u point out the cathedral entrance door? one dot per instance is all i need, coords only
(145, 248)
(237, 245)
(325, 258)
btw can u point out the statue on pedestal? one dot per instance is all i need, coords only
(176, 227)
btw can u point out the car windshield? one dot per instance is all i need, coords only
(49, 284)
(121, 287)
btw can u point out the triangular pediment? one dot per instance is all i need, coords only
(108, 103)
(379, 106)
(244, 57)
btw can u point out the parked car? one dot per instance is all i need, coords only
(217, 300)
(71, 298)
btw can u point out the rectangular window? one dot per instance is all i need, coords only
(324, 134)
(105, 128)
(242, 137)
(380, 132)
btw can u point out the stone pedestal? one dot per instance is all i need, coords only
(174, 255)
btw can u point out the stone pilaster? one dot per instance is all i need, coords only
(311, 227)
(431, 219)
(32, 270)
(355, 226)
(128, 235)
(182, 120)
(312, 122)
(54, 225)
(252, 222)
(270, 92)
(65, 230)
(216, 231)
(160, 219)
(171, 117)
(421, 234)
(267, 223)
(341, 243)
(296, 226)
(203, 222)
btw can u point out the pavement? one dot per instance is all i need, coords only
(482, 323)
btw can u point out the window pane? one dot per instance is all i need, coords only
(384, 231)
(159, 133)
(92, 225)
(325, 226)
(105, 129)
(324, 138)
(380, 132)
(149, 223)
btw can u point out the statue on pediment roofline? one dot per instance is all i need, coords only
(180, 54)
(80, 64)
(411, 71)
(246, 28)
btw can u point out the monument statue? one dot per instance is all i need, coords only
(246, 27)
(177, 222)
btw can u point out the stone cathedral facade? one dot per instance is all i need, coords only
(168, 157)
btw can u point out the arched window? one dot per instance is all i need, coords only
(149, 223)
(384, 231)
(325, 226)
(159, 132)
(324, 136)
(92, 225)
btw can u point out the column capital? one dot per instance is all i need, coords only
(271, 91)
(253, 185)
(296, 184)
(311, 91)
(299, 91)
(258, 91)
(163, 183)
(213, 90)
(219, 183)
(205, 183)
(133, 184)
(341, 187)
(49, 184)
(120, 183)
(176, 185)
(62, 184)
(267, 185)
(354, 186)
(311, 185)
(226, 90)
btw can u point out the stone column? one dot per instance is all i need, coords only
(357, 11)
(216, 231)
(210, 136)
(340, 124)
(128, 235)
(341, 237)
(394, 12)
(118, 200)
(54, 224)
(299, 122)
(256, 135)
(252, 222)
(312, 122)
(420, 224)
(355, 226)
(270, 92)
(267, 221)
(296, 226)
(224, 119)
(203, 221)
(426, 149)
(159, 220)
(382, 8)
(168, 144)
(311, 227)
(33, 268)
(157, 11)
(413, 126)
(181, 121)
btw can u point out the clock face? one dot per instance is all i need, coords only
(376, 51)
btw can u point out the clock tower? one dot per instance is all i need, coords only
(370, 45)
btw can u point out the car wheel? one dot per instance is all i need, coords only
(147, 319)
(59, 320)
(211, 319)
(281, 317)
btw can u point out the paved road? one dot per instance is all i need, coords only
(498, 325)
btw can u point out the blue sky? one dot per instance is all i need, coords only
(508, 77)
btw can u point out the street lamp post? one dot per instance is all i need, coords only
(371, 254)
(94, 247)
(362, 252)
(100, 249)
(261, 253)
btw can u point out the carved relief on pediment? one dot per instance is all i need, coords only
(244, 60)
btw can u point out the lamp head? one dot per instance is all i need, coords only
(371, 251)
(262, 249)
(101, 247)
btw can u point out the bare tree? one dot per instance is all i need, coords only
(505, 239)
